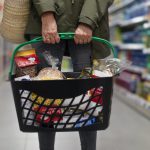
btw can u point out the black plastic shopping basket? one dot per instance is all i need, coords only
(62, 105)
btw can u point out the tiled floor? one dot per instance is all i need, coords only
(128, 130)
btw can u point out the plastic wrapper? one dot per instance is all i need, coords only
(111, 66)
(45, 112)
(51, 60)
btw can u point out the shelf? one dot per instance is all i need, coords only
(146, 77)
(129, 46)
(139, 70)
(146, 50)
(120, 6)
(136, 69)
(134, 21)
(130, 22)
(132, 100)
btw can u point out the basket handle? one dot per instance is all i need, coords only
(67, 35)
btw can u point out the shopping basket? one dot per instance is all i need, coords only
(76, 110)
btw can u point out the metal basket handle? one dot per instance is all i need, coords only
(67, 35)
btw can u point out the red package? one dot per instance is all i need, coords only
(23, 61)
(50, 111)
(97, 94)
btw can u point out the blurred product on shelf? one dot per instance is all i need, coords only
(146, 90)
(130, 34)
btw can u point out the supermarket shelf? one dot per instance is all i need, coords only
(146, 50)
(132, 100)
(146, 77)
(136, 69)
(129, 46)
(139, 70)
(125, 4)
(120, 6)
(134, 21)
(131, 22)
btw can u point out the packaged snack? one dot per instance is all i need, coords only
(26, 62)
(86, 119)
(46, 113)
(41, 106)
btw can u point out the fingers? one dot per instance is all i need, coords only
(51, 37)
(83, 35)
(82, 38)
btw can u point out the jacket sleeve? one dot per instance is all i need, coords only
(93, 10)
(44, 6)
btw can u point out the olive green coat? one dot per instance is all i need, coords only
(69, 13)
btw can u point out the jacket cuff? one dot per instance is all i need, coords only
(88, 21)
(44, 8)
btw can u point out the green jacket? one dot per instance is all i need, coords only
(69, 13)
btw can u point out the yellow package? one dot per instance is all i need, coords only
(25, 52)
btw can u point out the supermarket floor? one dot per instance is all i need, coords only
(128, 130)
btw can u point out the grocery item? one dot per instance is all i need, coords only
(46, 108)
(49, 73)
(76, 121)
(97, 95)
(26, 62)
(23, 78)
(111, 66)
(87, 120)
(45, 114)
(86, 73)
(26, 104)
(51, 60)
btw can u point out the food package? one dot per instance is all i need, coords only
(26, 104)
(86, 101)
(76, 121)
(45, 108)
(85, 121)
(26, 62)
(49, 74)
(70, 121)
(23, 78)
(110, 66)
(52, 61)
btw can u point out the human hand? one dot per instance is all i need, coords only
(49, 29)
(83, 34)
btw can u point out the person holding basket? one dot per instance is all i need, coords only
(86, 18)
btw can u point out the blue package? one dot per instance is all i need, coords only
(83, 120)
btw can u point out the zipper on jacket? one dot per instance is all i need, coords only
(73, 1)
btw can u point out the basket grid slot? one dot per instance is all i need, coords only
(75, 110)
(91, 114)
(82, 114)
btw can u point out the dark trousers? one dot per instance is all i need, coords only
(81, 58)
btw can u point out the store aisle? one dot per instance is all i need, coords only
(128, 130)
